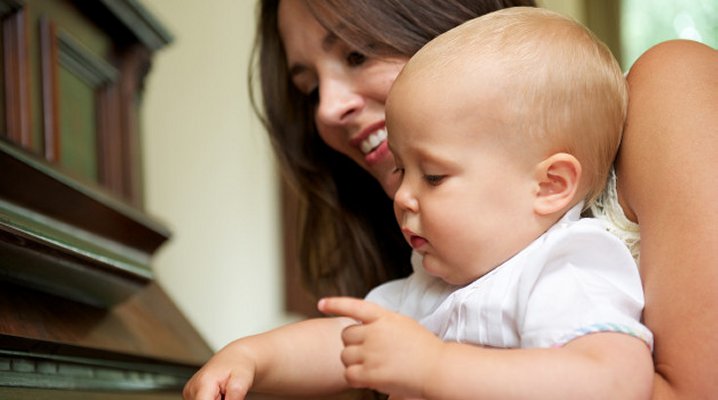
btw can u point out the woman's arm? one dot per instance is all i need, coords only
(668, 182)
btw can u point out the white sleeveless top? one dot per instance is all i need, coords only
(607, 209)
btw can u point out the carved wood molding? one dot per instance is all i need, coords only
(83, 63)
(80, 242)
(54, 366)
(143, 25)
(33, 371)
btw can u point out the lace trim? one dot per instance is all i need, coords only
(607, 209)
(642, 334)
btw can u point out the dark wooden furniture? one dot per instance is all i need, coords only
(80, 314)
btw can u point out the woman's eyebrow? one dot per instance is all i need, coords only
(329, 40)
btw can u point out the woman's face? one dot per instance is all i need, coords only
(348, 88)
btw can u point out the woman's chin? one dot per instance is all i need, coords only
(390, 183)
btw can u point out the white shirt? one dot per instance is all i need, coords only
(574, 279)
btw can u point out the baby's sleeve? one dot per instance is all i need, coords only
(588, 283)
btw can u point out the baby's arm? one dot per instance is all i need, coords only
(394, 354)
(297, 359)
(599, 365)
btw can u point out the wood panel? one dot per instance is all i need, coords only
(146, 327)
(17, 79)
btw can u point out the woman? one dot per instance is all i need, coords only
(349, 242)
(325, 70)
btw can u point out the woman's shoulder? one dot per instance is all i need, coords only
(675, 47)
(673, 96)
(676, 60)
(669, 131)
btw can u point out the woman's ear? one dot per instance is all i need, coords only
(558, 177)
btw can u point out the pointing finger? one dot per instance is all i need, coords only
(360, 310)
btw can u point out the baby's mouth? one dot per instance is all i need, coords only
(417, 241)
(373, 141)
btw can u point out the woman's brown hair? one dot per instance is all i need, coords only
(349, 240)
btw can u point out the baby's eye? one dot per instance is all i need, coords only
(434, 179)
(398, 170)
(355, 58)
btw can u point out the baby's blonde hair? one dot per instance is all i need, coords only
(552, 64)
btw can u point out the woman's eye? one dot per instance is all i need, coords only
(355, 58)
(313, 96)
(434, 179)
(399, 170)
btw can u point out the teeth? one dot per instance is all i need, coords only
(373, 141)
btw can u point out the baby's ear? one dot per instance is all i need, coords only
(558, 177)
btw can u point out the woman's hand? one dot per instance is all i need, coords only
(386, 351)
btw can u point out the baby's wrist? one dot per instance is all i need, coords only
(433, 374)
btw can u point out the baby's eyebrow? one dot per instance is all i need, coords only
(430, 158)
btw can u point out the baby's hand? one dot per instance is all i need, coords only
(385, 351)
(227, 375)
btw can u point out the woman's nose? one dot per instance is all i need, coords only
(338, 102)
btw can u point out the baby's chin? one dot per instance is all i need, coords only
(442, 271)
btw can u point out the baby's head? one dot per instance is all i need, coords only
(552, 87)
(498, 127)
